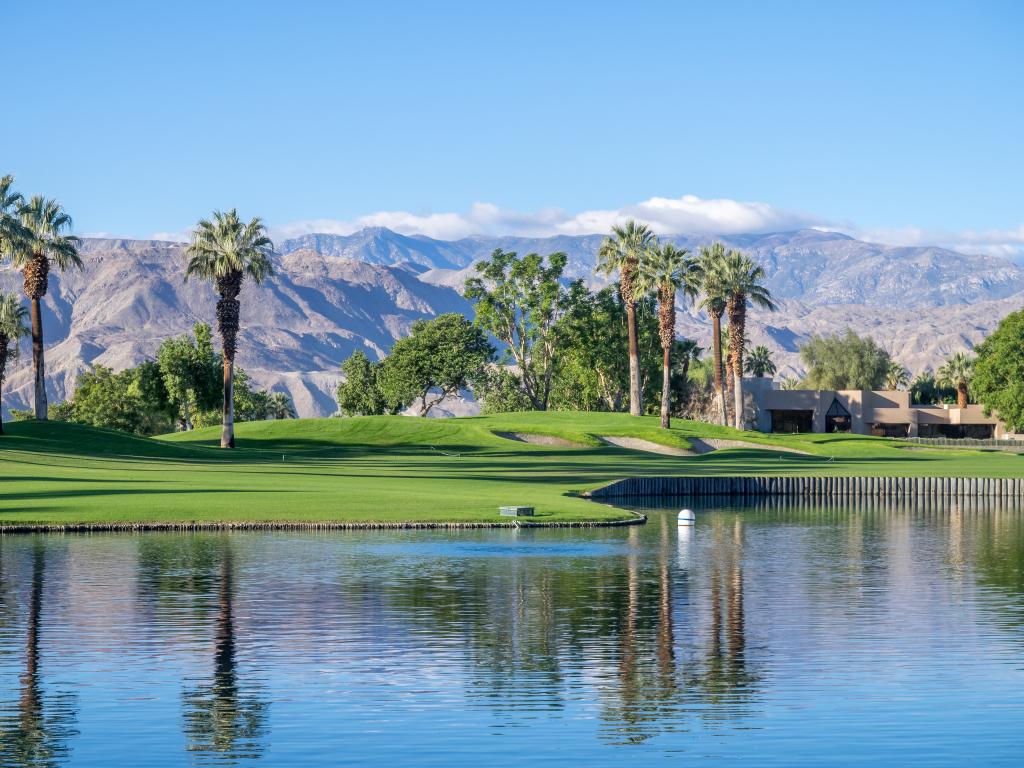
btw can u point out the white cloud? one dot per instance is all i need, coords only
(689, 214)
(173, 237)
(1008, 243)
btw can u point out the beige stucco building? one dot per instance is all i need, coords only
(864, 412)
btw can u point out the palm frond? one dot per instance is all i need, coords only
(223, 244)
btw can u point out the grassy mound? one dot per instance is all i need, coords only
(398, 469)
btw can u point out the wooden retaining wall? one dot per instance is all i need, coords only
(815, 487)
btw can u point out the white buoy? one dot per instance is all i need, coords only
(686, 517)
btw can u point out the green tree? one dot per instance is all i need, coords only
(281, 406)
(998, 375)
(250, 404)
(519, 300)
(743, 283)
(710, 264)
(190, 373)
(896, 376)
(957, 373)
(42, 245)
(133, 400)
(499, 390)
(685, 353)
(224, 251)
(444, 354)
(592, 373)
(622, 252)
(665, 271)
(844, 361)
(12, 329)
(760, 363)
(359, 394)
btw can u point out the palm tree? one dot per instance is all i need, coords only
(224, 252)
(743, 280)
(789, 383)
(759, 363)
(43, 245)
(924, 389)
(12, 232)
(896, 377)
(280, 406)
(957, 372)
(12, 328)
(710, 265)
(622, 252)
(665, 270)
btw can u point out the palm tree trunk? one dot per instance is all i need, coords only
(737, 326)
(666, 387)
(634, 360)
(4, 341)
(961, 394)
(38, 364)
(227, 431)
(716, 345)
(228, 309)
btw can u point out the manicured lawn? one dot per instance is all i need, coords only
(392, 469)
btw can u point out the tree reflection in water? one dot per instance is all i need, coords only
(224, 721)
(37, 731)
(726, 681)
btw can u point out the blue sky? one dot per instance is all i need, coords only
(895, 121)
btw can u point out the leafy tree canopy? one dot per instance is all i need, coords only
(440, 357)
(359, 394)
(998, 371)
(845, 361)
(519, 301)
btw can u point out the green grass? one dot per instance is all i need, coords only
(392, 469)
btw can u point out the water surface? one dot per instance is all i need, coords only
(774, 634)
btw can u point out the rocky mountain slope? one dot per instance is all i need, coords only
(334, 294)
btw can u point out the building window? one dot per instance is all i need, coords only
(790, 422)
(890, 430)
(958, 431)
(837, 418)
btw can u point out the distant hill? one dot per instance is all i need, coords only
(333, 294)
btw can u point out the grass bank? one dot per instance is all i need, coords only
(398, 469)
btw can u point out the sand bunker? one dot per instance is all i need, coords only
(636, 444)
(525, 437)
(708, 444)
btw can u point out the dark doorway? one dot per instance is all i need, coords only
(837, 418)
(792, 422)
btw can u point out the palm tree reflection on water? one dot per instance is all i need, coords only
(223, 721)
(38, 730)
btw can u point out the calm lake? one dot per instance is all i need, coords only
(774, 634)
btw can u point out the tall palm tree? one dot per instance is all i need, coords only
(665, 270)
(224, 251)
(622, 252)
(957, 372)
(710, 265)
(44, 244)
(759, 363)
(896, 377)
(12, 328)
(743, 280)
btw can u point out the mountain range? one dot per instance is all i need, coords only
(333, 294)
